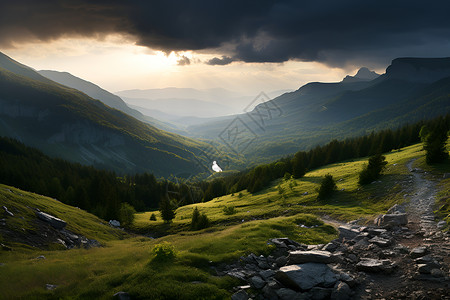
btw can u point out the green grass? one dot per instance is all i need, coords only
(129, 265)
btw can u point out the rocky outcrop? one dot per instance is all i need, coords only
(52, 220)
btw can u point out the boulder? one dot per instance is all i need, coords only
(52, 220)
(428, 267)
(379, 241)
(50, 287)
(396, 209)
(257, 282)
(392, 220)
(281, 261)
(314, 256)
(418, 252)
(347, 232)
(241, 295)
(286, 294)
(266, 274)
(306, 276)
(374, 265)
(341, 291)
(319, 293)
(114, 223)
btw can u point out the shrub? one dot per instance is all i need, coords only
(229, 210)
(327, 187)
(153, 217)
(287, 176)
(164, 252)
(240, 195)
(126, 214)
(373, 170)
(199, 220)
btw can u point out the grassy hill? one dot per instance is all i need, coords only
(128, 264)
(67, 123)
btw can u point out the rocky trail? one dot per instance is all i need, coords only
(404, 255)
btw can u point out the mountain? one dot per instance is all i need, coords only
(363, 74)
(96, 92)
(67, 123)
(410, 89)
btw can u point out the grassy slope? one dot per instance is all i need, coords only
(127, 265)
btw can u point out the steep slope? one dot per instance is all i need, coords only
(96, 92)
(67, 123)
(318, 112)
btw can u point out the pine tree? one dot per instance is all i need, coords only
(167, 209)
(373, 170)
(434, 143)
(327, 187)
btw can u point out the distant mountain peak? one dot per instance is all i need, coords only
(363, 74)
(414, 69)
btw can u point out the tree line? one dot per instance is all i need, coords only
(103, 192)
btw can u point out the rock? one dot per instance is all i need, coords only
(123, 296)
(446, 176)
(392, 220)
(315, 256)
(281, 261)
(114, 223)
(341, 291)
(401, 249)
(347, 279)
(50, 287)
(319, 293)
(236, 274)
(241, 295)
(257, 282)
(427, 268)
(266, 274)
(423, 260)
(8, 212)
(347, 232)
(374, 265)
(40, 257)
(306, 276)
(54, 221)
(286, 294)
(381, 242)
(441, 224)
(437, 273)
(396, 209)
(6, 248)
(269, 294)
(418, 252)
(330, 247)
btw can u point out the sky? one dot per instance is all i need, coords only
(246, 46)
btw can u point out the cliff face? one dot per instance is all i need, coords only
(425, 70)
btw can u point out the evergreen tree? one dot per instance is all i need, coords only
(327, 187)
(434, 143)
(373, 170)
(167, 209)
(298, 165)
(126, 214)
(199, 221)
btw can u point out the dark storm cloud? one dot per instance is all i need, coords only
(329, 31)
(225, 60)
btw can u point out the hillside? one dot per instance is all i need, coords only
(201, 256)
(319, 112)
(67, 123)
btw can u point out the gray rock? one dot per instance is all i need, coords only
(114, 223)
(236, 274)
(241, 295)
(266, 274)
(269, 294)
(52, 220)
(306, 276)
(379, 241)
(330, 247)
(50, 287)
(428, 267)
(347, 278)
(40, 257)
(375, 265)
(8, 212)
(376, 231)
(392, 220)
(281, 261)
(437, 273)
(446, 175)
(347, 232)
(341, 291)
(257, 282)
(124, 296)
(319, 293)
(286, 294)
(441, 224)
(418, 252)
(314, 256)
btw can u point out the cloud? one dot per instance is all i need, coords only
(184, 61)
(225, 60)
(337, 33)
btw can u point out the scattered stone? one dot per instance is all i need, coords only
(269, 294)
(123, 296)
(375, 231)
(341, 291)
(441, 224)
(418, 252)
(392, 220)
(427, 268)
(40, 257)
(8, 212)
(396, 209)
(50, 287)
(347, 232)
(347, 279)
(114, 223)
(286, 294)
(54, 221)
(257, 282)
(314, 256)
(306, 276)
(281, 261)
(266, 274)
(330, 247)
(375, 265)
(381, 242)
(236, 274)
